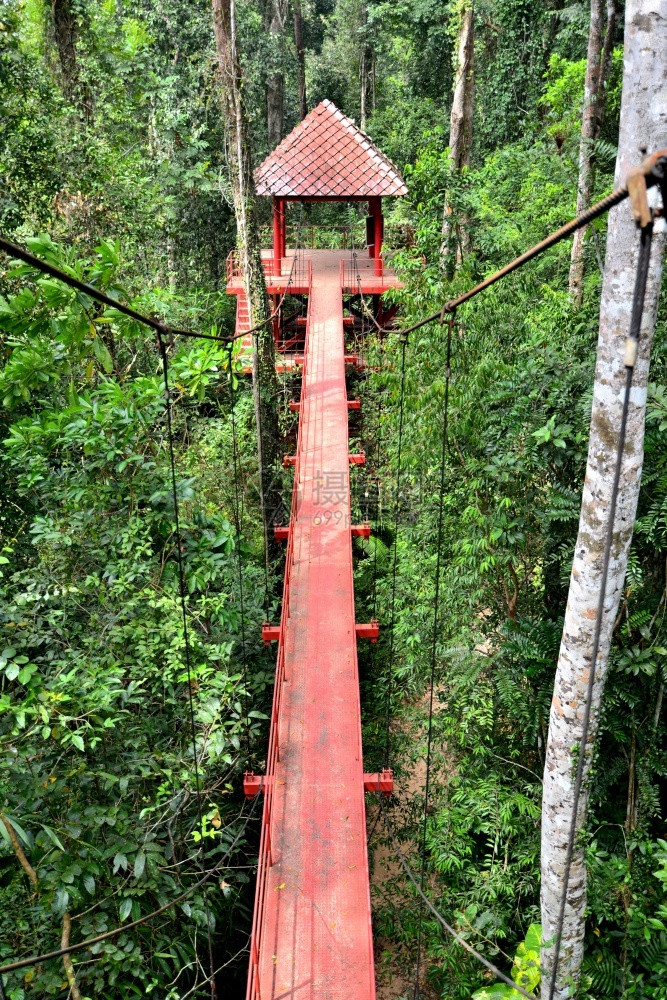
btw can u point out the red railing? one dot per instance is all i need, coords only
(300, 270)
(233, 266)
(352, 272)
(293, 267)
(322, 237)
(266, 838)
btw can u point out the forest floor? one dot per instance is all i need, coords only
(394, 962)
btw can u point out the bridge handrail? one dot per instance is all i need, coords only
(266, 840)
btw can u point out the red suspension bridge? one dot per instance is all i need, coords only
(311, 934)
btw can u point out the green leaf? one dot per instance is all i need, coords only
(101, 352)
(78, 741)
(124, 909)
(53, 837)
(119, 861)
(27, 672)
(26, 838)
(533, 940)
(139, 864)
(499, 991)
(89, 883)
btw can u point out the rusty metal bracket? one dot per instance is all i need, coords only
(649, 173)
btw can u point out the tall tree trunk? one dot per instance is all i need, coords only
(643, 126)
(65, 31)
(300, 58)
(275, 84)
(363, 88)
(613, 7)
(365, 67)
(239, 154)
(598, 69)
(460, 121)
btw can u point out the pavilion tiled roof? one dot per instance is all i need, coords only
(327, 156)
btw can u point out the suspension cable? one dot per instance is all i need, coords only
(260, 433)
(630, 357)
(397, 501)
(434, 641)
(438, 916)
(94, 293)
(186, 635)
(24, 963)
(239, 558)
(652, 171)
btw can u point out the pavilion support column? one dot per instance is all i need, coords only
(375, 210)
(276, 236)
(283, 229)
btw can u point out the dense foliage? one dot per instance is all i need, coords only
(119, 156)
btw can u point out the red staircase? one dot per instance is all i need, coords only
(243, 323)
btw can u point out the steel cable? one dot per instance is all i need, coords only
(434, 639)
(237, 526)
(438, 916)
(94, 293)
(397, 501)
(186, 635)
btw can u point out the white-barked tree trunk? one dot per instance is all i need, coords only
(643, 128)
(460, 125)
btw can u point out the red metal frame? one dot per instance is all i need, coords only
(369, 630)
(382, 782)
(361, 530)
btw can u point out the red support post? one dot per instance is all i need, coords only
(276, 236)
(375, 205)
(283, 228)
(276, 319)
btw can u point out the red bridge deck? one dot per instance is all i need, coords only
(312, 925)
